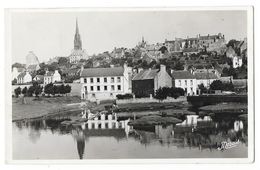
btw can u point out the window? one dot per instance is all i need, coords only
(191, 82)
(185, 82)
(112, 79)
(179, 82)
(98, 88)
(91, 80)
(98, 80)
(91, 88)
(118, 87)
(118, 79)
(93, 95)
(112, 88)
(85, 80)
(105, 88)
(105, 79)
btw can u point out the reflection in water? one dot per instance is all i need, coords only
(204, 133)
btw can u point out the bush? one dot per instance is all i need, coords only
(124, 96)
(17, 91)
(163, 93)
(56, 89)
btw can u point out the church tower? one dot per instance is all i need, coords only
(77, 39)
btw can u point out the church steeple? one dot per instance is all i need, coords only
(77, 39)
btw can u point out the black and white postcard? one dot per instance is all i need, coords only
(130, 85)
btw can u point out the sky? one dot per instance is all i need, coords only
(50, 34)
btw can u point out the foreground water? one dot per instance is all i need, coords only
(194, 138)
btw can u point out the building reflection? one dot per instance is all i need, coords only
(202, 133)
(194, 132)
(103, 125)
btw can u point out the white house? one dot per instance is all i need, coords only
(105, 83)
(51, 77)
(16, 71)
(237, 61)
(205, 78)
(24, 77)
(185, 80)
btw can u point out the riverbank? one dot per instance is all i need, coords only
(43, 106)
(72, 106)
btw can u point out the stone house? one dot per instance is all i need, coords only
(146, 82)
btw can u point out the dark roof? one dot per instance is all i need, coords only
(102, 72)
(21, 75)
(205, 76)
(146, 74)
(182, 75)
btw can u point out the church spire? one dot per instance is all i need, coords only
(77, 39)
(77, 27)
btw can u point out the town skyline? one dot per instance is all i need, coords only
(55, 42)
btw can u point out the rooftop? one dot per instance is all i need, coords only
(182, 75)
(102, 72)
(204, 75)
(146, 74)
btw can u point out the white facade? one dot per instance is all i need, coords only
(188, 85)
(24, 78)
(52, 77)
(107, 87)
(15, 73)
(237, 62)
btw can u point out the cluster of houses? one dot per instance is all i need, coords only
(106, 83)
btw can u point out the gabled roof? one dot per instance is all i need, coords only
(204, 75)
(182, 75)
(146, 74)
(102, 72)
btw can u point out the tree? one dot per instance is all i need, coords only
(38, 90)
(62, 89)
(24, 91)
(17, 91)
(216, 85)
(14, 81)
(179, 66)
(63, 61)
(175, 92)
(161, 94)
(30, 91)
(67, 89)
(202, 88)
(48, 89)
(55, 90)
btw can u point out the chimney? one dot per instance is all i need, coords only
(162, 68)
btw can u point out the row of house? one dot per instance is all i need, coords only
(106, 83)
(24, 76)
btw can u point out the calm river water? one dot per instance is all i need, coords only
(194, 138)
